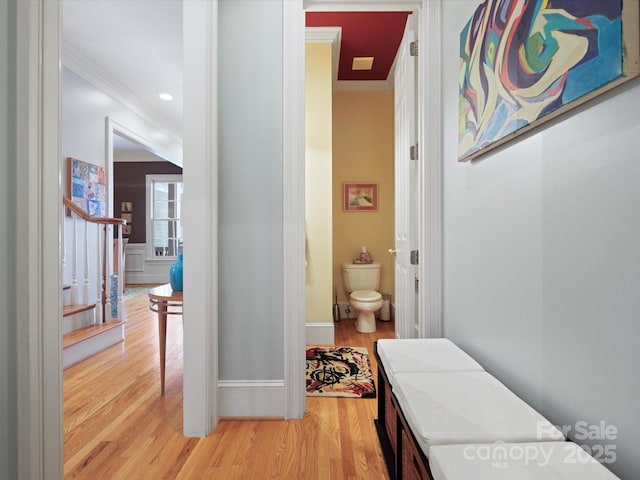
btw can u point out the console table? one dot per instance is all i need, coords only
(161, 299)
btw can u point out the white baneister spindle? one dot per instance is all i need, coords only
(98, 310)
(120, 271)
(108, 270)
(85, 284)
(74, 262)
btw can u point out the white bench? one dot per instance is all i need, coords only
(411, 355)
(438, 404)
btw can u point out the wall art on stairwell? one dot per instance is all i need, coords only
(87, 186)
(523, 63)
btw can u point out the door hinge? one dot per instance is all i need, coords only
(413, 152)
(414, 257)
(413, 48)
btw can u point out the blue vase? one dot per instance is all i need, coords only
(175, 274)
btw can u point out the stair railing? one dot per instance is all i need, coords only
(102, 268)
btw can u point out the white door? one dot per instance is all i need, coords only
(406, 173)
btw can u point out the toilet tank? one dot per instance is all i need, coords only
(361, 276)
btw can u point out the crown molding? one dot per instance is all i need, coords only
(323, 35)
(83, 66)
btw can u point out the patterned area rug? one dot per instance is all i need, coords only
(339, 372)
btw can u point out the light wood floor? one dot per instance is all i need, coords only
(117, 425)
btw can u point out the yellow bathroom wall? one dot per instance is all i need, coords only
(363, 151)
(318, 184)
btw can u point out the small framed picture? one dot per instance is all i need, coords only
(126, 207)
(360, 197)
(126, 229)
(128, 217)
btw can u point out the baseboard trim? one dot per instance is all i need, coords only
(252, 398)
(319, 333)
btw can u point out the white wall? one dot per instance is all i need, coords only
(8, 294)
(250, 308)
(541, 259)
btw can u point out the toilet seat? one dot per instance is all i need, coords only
(365, 296)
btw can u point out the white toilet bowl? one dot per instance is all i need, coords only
(366, 302)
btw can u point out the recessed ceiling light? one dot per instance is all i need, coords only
(362, 63)
(166, 96)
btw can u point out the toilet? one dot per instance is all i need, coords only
(362, 282)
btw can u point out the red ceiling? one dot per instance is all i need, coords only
(364, 34)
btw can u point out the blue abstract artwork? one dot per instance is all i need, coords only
(524, 61)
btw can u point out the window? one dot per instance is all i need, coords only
(164, 203)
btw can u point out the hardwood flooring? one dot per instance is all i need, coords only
(117, 425)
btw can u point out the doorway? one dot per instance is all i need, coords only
(429, 148)
(350, 143)
(133, 161)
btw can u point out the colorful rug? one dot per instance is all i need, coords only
(339, 372)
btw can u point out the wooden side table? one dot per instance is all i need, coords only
(161, 299)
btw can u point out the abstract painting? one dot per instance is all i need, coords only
(87, 186)
(524, 62)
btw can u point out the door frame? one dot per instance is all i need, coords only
(39, 283)
(38, 30)
(200, 160)
(428, 13)
(430, 150)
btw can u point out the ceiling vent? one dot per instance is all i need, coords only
(362, 63)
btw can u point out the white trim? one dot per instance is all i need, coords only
(320, 333)
(252, 398)
(430, 191)
(83, 66)
(39, 277)
(294, 309)
(200, 216)
(323, 35)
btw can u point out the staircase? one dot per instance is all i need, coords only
(90, 322)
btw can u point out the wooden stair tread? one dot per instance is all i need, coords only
(71, 309)
(82, 334)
